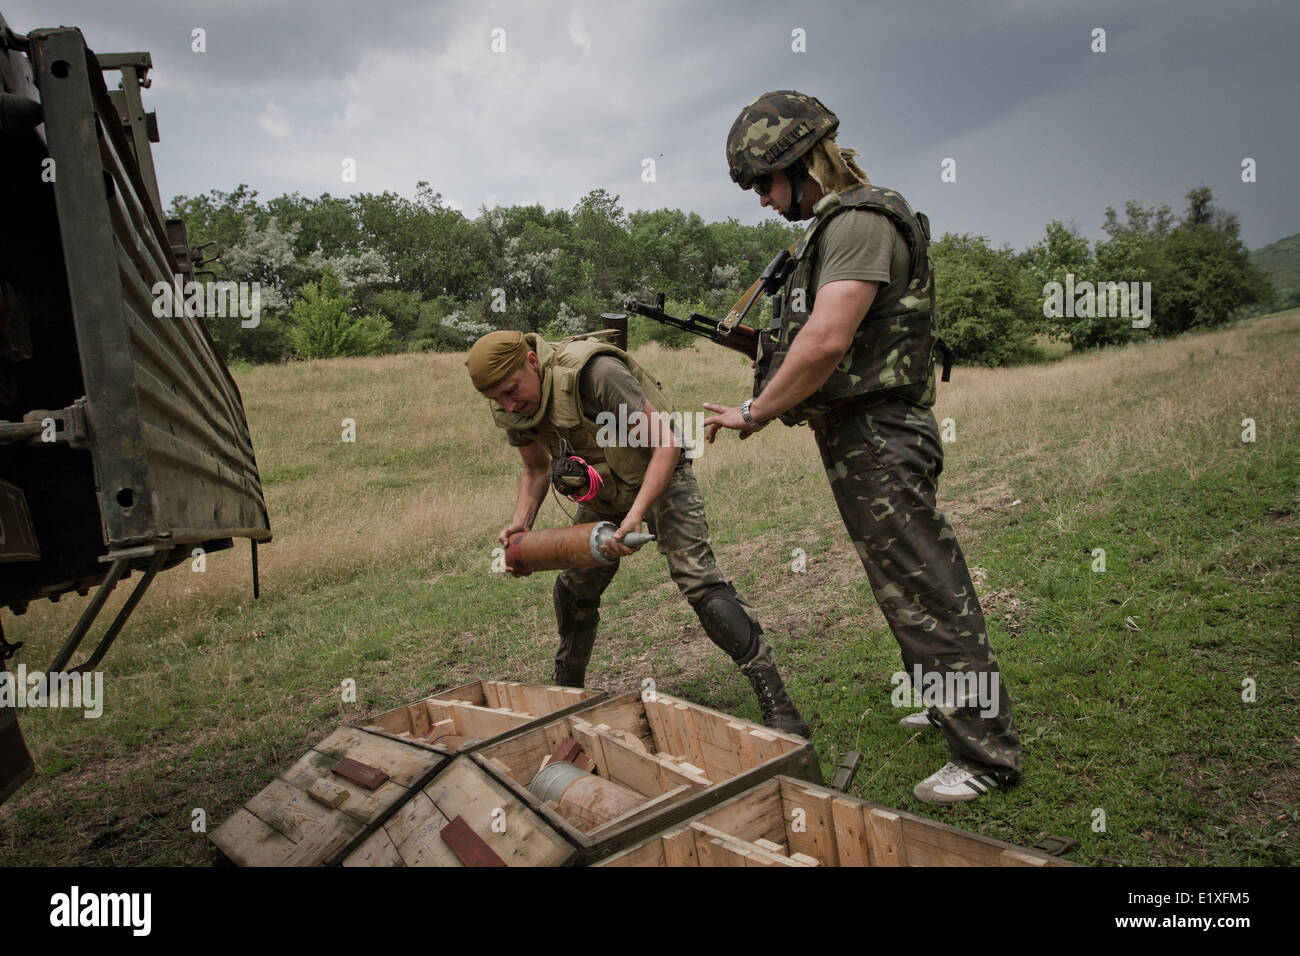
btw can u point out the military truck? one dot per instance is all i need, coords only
(123, 440)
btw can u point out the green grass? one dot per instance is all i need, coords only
(1127, 683)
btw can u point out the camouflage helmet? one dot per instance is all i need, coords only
(773, 131)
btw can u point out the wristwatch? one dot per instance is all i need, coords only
(744, 413)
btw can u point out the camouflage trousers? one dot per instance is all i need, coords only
(883, 457)
(681, 533)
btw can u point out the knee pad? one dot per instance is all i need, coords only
(728, 625)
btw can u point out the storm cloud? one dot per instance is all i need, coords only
(580, 95)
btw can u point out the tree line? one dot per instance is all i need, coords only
(375, 273)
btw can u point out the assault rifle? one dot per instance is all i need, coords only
(741, 338)
(729, 332)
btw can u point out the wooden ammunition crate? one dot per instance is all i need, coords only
(464, 718)
(497, 818)
(788, 822)
(681, 756)
(285, 825)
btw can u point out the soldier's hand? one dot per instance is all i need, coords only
(504, 537)
(508, 531)
(725, 417)
(614, 547)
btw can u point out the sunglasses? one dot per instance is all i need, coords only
(763, 184)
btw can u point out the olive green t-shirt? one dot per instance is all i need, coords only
(865, 245)
(604, 385)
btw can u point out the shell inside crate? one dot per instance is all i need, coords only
(674, 756)
(788, 822)
(462, 718)
(497, 829)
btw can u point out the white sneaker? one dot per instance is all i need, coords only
(954, 784)
(920, 719)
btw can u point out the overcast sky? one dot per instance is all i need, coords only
(1040, 126)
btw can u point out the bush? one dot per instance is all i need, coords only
(324, 327)
(987, 308)
(402, 309)
(267, 342)
(431, 334)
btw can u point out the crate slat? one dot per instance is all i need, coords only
(819, 827)
(478, 712)
(284, 825)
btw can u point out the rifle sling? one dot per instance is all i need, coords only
(726, 326)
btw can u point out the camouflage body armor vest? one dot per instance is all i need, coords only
(893, 344)
(560, 419)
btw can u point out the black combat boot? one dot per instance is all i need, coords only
(728, 624)
(779, 711)
(577, 621)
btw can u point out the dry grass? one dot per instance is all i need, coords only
(430, 480)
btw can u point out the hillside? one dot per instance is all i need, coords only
(1281, 260)
(1127, 683)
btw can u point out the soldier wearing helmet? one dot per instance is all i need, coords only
(850, 354)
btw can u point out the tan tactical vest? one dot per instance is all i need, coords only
(893, 344)
(560, 418)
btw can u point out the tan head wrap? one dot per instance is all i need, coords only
(495, 357)
(833, 166)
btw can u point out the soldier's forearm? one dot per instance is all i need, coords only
(805, 369)
(663, 460)
(657, 475)
(531, 494)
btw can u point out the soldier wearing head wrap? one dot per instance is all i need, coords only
(851, 355)
(553, 400)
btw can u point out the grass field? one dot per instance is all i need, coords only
(1128, 683)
